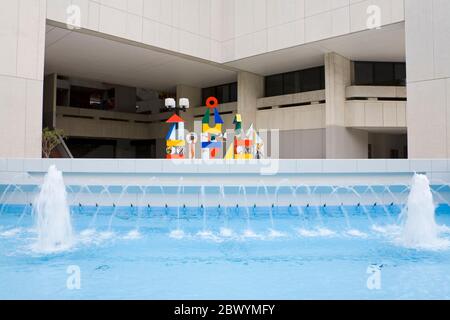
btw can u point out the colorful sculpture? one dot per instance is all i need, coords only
(175, 138)
(191, 140)
(245, 145)
(257, 149)
(212, 139)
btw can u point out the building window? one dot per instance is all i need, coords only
(400, 73)
(224, 93)
(274, 85)
(291, 82)
(363, 73)
(233, 92)
(380, 74)
(295, 82)
(91, 98)
(312, 79)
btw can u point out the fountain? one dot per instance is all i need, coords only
(178, 233)
(53, 223)
(225, 231)
(419, 229)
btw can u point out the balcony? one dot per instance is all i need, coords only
(90, 123)
(300, 111)
(376, 108)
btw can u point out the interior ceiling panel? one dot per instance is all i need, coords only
(385, 44)
(91, 57)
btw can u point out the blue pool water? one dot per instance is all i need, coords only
(302, 253)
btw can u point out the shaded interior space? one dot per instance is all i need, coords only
(109, 100)
(110, 149)
(388, 146)
(95, 95)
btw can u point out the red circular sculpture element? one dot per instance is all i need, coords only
(212, 102)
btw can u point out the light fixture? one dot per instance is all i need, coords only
(184, 103)
(170, 103)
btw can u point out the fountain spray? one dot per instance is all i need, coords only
(53, 223)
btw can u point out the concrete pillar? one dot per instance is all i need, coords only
(428, 71)
(22, 38)
(195, 100)
(250, 89)
(341, 142)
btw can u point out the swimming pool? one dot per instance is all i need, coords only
(304, 253)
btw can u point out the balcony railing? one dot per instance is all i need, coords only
(371, 108)
(80, 122)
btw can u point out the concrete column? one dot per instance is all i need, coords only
(428, 70)
(22, 38)
(195, 99)
(250, 89)
(341, 142)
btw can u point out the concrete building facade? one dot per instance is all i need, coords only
(63, 60)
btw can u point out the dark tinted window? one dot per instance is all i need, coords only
(274, 85)
(363, 73)
(291, 82)
(233, 92)
(295, 82)
(380, 73)
(208, 92)
(384, 73)
(312, 79)
(400, 73)
(225, 93)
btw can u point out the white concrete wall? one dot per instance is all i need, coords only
(250, 89)
(301, 128)
(185, 26)
(226, 30)
(375, 114)
(301, 144)
(258, 26)
(341, 142)
(22, 39)
(291, 99)
(372, 113)
(293, 118)
(375, 92)
(155, 173)
(428, 70)
(150, 174)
